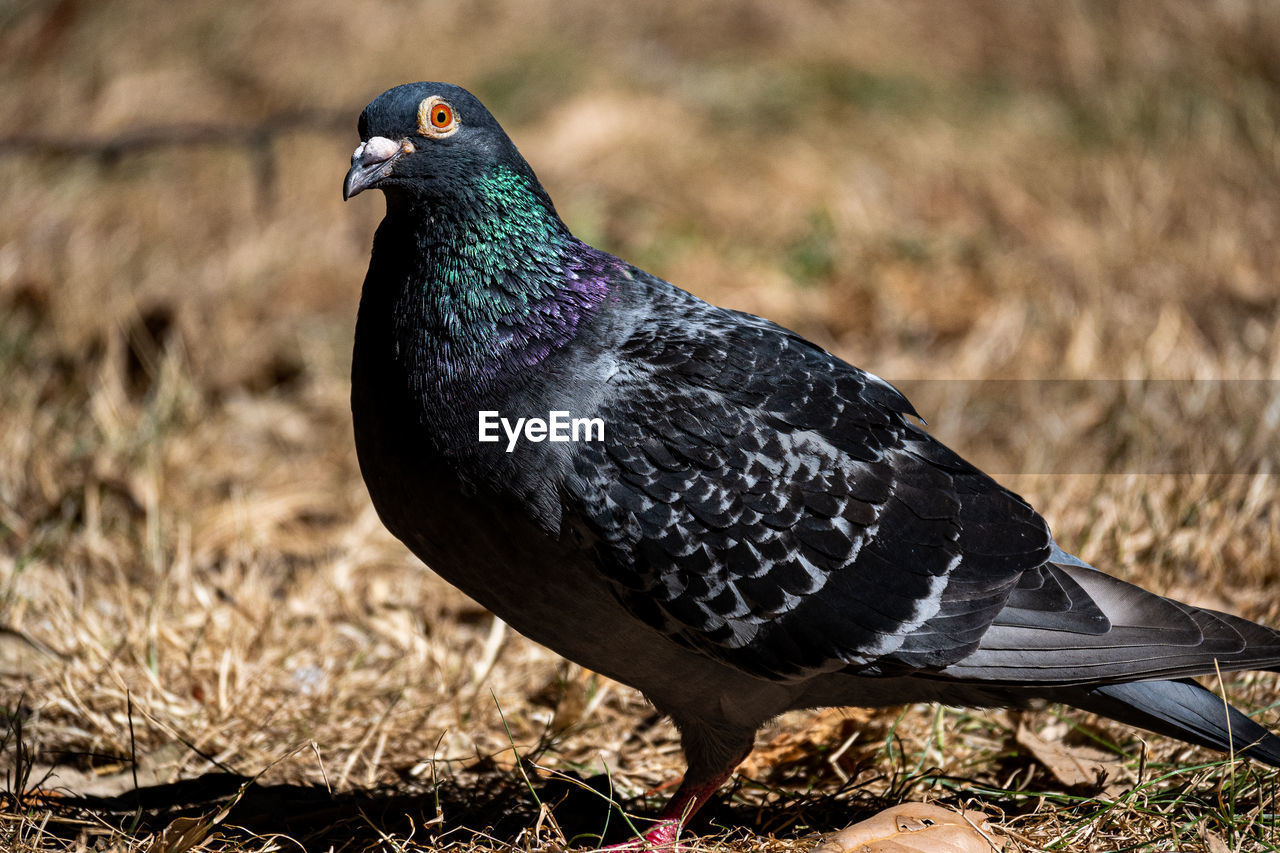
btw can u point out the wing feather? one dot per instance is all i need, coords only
(771, 506)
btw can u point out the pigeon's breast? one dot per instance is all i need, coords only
(503, 435)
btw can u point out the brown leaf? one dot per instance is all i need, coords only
(1215, 843)
(184, 833)
(916, 828)
(181, 835)
(1073, 766)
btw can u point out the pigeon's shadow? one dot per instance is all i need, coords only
(498, 807)
(494, 806)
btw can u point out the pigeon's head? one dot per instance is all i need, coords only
(427, 140)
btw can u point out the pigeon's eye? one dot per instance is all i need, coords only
(436, 118)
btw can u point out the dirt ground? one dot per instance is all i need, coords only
(1054, 225)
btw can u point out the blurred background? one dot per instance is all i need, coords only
(994, 194)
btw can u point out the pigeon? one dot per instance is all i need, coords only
(745, 524)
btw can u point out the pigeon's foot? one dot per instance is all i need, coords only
(662, 837)
(688, 798)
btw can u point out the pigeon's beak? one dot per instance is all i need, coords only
(371, 163)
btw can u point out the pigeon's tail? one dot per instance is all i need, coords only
(1180, 709)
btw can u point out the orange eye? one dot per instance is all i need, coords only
(436, 118)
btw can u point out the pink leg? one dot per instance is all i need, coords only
(688, 798)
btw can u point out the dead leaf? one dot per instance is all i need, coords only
(1215, 843)
(184, 833)
(1073, 766)
(916, 828)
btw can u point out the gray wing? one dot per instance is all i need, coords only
(769, 505)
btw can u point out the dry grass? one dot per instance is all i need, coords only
(194, 587)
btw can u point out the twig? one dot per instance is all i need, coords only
(169, 136)
(255, 140)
